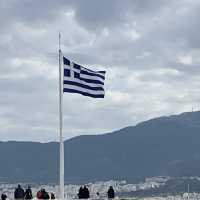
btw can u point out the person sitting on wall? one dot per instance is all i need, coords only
(3, 196)
(45, 194)
(80, 193)
(39, 194)
(19, 192)
(52, 196)
(28, 193)
(111, 193)
(86, 193)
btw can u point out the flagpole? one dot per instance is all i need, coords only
(61, 124)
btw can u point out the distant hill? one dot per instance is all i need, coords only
(168, 146)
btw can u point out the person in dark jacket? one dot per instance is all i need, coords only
(19, 192)
(28, 193)
(80, 193)
(111, 193)
(45, 194)
(86, 193)
(3, 196)
(52, 196)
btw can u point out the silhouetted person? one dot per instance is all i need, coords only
(81, 193)
(86, 193)
(111, 193)
(39, 194)
(28, 193)
(19, 192)
(42, 194)
(52, 196)
(3, 196)
(45, 194)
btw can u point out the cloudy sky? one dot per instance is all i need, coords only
(149, 49)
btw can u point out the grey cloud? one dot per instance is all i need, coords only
(100, 14)
(31, 12)
(137, 42)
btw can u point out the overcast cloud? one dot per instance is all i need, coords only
(150, 50)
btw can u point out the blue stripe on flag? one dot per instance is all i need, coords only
(76, 66)
(92, 74)
(92, 81)
(83, 93)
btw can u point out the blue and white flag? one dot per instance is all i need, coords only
(78, 79)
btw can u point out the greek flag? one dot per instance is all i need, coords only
(78, 79)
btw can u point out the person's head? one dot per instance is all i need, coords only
(29, 187)
(19, 186)
(4, 191)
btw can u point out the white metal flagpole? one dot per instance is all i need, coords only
(61, 124)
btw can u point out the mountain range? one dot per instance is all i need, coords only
(164, 146)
